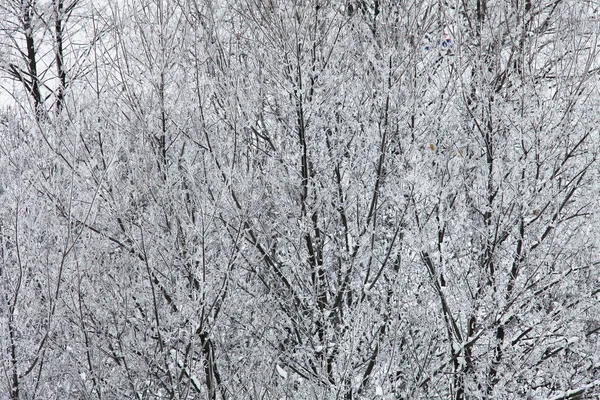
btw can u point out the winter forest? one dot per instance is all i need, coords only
(299, 199)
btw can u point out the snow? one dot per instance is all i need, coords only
(281, 372)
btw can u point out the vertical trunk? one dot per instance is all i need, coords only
(60, 70)
(34, 86)
(213, 378)
(14, 390)
(500, 331)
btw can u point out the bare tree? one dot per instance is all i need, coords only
(307, 199)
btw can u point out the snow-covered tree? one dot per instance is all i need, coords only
(299, 199)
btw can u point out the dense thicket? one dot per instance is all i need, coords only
(246, 199)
